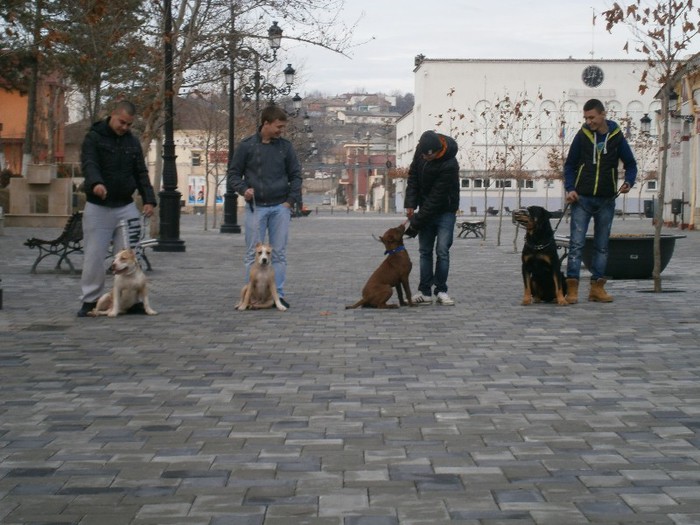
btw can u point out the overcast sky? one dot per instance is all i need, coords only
(402, 29)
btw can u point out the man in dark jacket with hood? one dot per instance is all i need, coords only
(114, 168)
(590, 180)
(431, 203)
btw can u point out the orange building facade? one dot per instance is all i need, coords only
(49, 123)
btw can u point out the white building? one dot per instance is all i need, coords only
(514, 121)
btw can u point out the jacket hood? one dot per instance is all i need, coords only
(452, 149)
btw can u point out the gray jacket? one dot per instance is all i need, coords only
(272, 170)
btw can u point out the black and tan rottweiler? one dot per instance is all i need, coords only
(541, 266)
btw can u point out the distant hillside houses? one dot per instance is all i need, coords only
(356, 108)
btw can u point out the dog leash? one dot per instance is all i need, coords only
(613, 198)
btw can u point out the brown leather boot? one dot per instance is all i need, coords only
(598, 293)
(571, 290)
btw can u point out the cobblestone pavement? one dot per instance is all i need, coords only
(485, 412)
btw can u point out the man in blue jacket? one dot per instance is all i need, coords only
(114, 168)
(265, 170)
(431, 203)
(590, 180)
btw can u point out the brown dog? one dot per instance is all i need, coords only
(392, 273)
(261, 291)
(129, 288)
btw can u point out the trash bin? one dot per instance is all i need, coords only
(676, 206)
(649, 209)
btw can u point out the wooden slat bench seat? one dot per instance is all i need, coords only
(70, 241)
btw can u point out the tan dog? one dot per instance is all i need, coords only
(392, 273)
(129, 288)
(261, 290)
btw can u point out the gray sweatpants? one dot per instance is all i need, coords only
(100, 230)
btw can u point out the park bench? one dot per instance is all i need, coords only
(70, 241)
(467, 227)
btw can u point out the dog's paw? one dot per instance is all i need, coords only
(527, 301)
(112, 314)
(281, 308)
(151, 312)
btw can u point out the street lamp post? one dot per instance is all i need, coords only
(169, 197)
(274, 33)
(260, 86)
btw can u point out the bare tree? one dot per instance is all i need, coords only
(662, 32)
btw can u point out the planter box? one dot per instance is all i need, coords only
(41, 173)
(632, 256)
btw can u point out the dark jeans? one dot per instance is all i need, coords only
(437, 234)
(602, 210)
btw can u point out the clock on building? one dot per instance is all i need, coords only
(592, 76)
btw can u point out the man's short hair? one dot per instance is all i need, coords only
(272, 113)
(126, 107)
(594, 103)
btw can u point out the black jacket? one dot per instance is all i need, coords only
(118, 163)
(433, 186)
(591, 167)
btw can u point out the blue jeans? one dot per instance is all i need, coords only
(602, 209)
(437, 234)
(273, 221)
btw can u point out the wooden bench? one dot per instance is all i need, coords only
(467, 227)
(70, 241)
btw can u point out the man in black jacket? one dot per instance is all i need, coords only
(591, 179)
(431, 203)
(114, 168)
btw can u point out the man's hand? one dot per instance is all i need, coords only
(625, 188)
(100, 190)
(148, 210)
(409, 212)
(249, 194)
(571, 197)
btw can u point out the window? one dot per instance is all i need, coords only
(651, 185)
(196, 158)
(528, 184)
(466, 183)
(504, 183)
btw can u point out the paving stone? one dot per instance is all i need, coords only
(483, 413)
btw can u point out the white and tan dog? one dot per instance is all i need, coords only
(130, 287)
(261, 291)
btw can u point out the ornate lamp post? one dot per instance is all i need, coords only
(645, 124)
(259, 85)
(169, 205)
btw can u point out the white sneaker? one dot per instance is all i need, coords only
(444, 299)
(420, 299)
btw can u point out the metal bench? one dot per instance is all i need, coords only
(467, 227)
(70, 241)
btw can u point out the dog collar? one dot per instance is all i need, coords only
(538, 247)
(395, 250)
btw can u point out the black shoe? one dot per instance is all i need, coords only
(284, 303)
(86, 308)
(138, 308)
